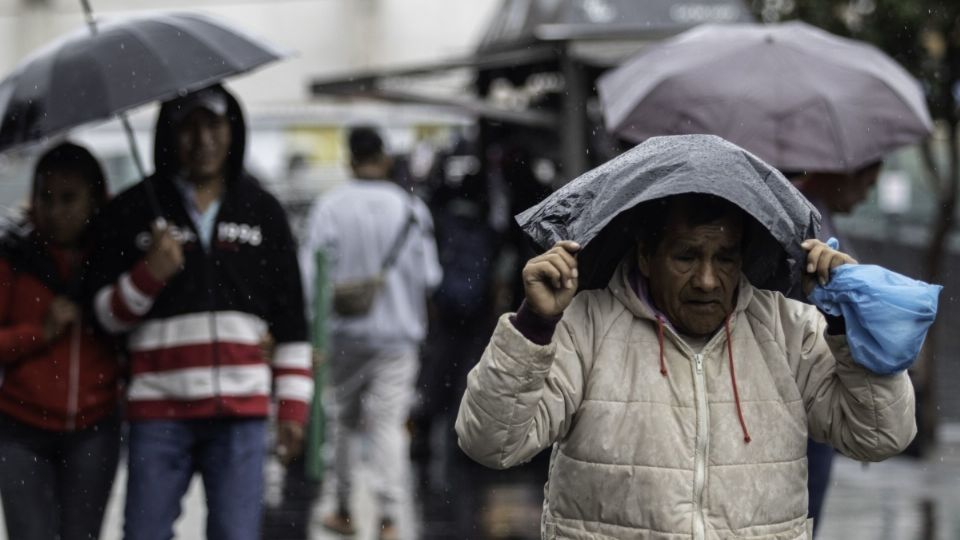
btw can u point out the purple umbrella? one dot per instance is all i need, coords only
(799, 97)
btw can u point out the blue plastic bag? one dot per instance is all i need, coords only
(887, 315)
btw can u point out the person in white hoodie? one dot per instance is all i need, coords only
(373, 233)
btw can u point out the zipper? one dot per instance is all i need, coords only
(73, 389)
(703, 445)
(703, 426)
(208, 256)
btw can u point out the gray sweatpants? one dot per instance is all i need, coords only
(372, 394)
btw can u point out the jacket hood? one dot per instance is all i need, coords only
(165, 159)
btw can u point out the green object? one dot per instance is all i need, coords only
(319, 340)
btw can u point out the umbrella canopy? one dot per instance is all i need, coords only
(83, 78)
(602, 208)
(799, 97)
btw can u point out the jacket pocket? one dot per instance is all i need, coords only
(801, 531)
(552, 530)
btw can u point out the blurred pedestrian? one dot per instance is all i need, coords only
(59, 431)
(203, 298)
(462, 314)
(382, 257)
(680, 376)
(830, 193)
(461, 319)
(836, 193)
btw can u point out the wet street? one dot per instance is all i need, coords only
(900, 499)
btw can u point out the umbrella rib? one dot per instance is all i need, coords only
(837, 139)
(140, 33)
(745, 92)
(144, 37)
(833, 127)
(837, 60)
(637, 97)
(232, 67)
(798, 99)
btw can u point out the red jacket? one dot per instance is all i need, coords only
(66, 385)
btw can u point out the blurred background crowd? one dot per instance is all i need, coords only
(483, 108)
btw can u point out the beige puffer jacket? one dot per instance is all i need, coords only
(642, 455)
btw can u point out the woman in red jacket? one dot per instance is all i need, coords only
(59, 431)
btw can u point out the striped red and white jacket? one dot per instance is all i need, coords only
(195, 343)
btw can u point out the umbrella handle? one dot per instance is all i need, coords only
(138, 162)
(127, 128)
(88, 15)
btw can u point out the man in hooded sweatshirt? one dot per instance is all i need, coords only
(677, 400)
(198, 293)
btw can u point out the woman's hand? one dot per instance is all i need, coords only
(60, 316)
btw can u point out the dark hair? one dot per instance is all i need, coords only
(68, 157)
(365, 144)
(700, 209)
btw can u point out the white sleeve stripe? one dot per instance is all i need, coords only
(104, 312)
(136, 301)
(293, 356)
(294, 387)
(200, 383)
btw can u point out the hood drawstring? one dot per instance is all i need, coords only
(663, 364)
(733, 374)
(733, 378)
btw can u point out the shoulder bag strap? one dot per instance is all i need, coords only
(394, 252)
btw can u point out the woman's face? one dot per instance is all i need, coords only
(62, 207)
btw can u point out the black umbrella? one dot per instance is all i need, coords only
(100, 72)
(602, 209)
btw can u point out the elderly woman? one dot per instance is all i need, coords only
(679, 398)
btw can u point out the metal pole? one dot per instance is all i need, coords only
(88, 15)
(137, 159)
(125, 120)
(574, 127)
